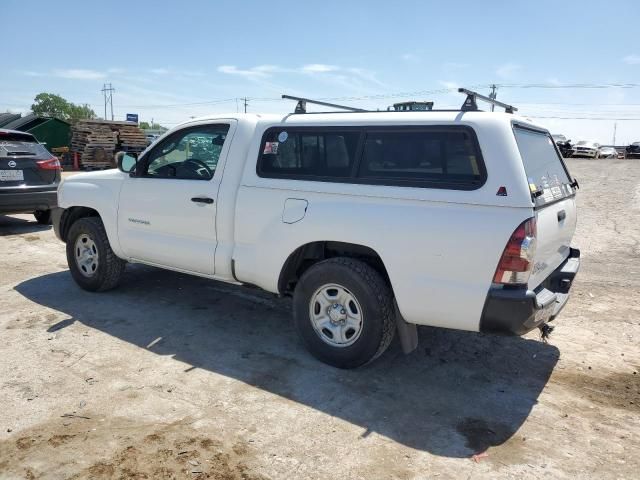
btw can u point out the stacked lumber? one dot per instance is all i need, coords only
(96, 141)
(131, 138)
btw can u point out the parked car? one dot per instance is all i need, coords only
(371, 221)
(607, 152)
(633, 150)
(566, 149)
(586, 149)
(151, 138)
(29, 176)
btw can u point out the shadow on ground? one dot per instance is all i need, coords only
(19, 226)
(459, 394)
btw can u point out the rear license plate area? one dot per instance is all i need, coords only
(11, 175)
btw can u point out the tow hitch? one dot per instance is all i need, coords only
(545, 332)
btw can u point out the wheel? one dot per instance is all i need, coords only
(92, 263)
(343, 311)
(43, 217)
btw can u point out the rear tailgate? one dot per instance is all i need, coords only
(554, 197)
(555, 224)
(19, 165)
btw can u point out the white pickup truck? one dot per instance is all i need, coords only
(373, 221)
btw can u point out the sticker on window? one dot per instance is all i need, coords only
(282, 136)
(270, 148)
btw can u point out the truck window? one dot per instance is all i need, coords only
(190, 154)
(309, 153)
(423, 157)
(546, 173)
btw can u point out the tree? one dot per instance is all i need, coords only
(154, 126)
(80, 112)
(54, 105)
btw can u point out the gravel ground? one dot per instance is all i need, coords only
(172, 376)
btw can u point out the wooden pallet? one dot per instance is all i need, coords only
(96, 141)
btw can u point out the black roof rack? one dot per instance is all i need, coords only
(301, 107)
(470, 104)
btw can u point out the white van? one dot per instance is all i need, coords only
(372, 221)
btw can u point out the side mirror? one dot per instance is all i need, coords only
(127, 161)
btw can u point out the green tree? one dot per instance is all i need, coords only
(56, 106)
(80, 112)
(155, 126)
(51, 104)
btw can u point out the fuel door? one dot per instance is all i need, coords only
(294, 210)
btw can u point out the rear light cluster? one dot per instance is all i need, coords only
(51, 164)
(515, 264)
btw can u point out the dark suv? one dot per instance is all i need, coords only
(29, 176)
(633, 150)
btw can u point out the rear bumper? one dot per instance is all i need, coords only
(585, 154)
(28, 200)
(519, 311)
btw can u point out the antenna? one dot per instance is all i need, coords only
(470, 104)
(108, 90)
(301, 107)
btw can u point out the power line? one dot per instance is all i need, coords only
(570, 86)
(209, 102)
(584, 118)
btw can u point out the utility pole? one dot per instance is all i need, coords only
(245, 104)
(493, 94)
(107, 91)
(615, 126)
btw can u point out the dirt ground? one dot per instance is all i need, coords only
(172, 376)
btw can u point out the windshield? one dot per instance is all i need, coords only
(546, 173)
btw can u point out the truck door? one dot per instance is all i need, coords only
(167, 209)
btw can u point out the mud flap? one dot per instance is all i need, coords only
(407, 332)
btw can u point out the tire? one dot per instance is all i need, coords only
(43, 217)
(368, 297)
(100, 269)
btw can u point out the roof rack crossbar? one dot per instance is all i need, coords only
(301, 107)
(470, 104)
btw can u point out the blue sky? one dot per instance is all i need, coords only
(166, 59)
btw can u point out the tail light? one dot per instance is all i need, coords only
(515, 264)
(51, 164)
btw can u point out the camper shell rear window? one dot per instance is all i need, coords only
(547, 175)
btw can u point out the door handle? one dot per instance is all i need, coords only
(562, 215)
(202, 200)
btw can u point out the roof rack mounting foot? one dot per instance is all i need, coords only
(470, 104)
(301, 107)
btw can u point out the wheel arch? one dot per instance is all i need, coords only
(311, 253)
(71, 215)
